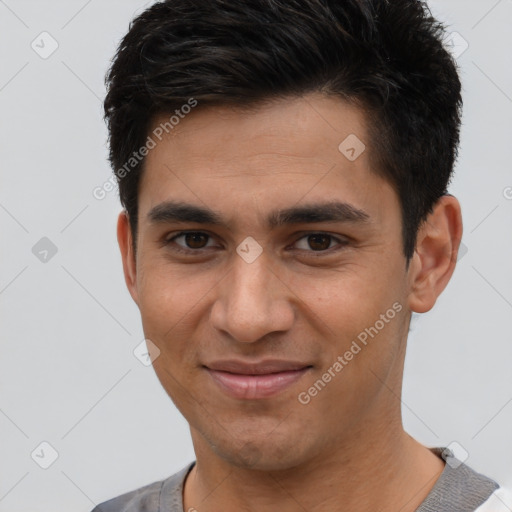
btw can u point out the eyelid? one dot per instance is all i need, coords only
(340, 239)
(168, 241)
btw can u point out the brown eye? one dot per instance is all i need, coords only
(319, 242)
(195, 240)
(189, 242)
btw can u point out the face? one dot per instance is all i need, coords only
(272, 280)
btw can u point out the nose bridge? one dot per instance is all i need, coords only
(253, 302)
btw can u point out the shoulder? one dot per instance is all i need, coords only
(459, 488)
(144, 499)
(149, 497)
(499, 501)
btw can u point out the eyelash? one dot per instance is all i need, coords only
(315, 254)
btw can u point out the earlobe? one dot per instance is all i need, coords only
(435, 256)
(124, 239)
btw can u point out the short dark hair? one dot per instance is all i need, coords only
(386, 56)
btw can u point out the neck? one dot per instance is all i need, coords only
(378, 468)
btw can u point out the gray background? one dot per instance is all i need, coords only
(68, 375)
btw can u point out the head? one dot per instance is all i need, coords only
(318, 137)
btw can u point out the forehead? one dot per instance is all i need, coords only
(307, 149)
(309, 126)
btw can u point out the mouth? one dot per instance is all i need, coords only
(255, 381)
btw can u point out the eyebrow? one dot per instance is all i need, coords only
(333, 211)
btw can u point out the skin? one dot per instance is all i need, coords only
(346, 449)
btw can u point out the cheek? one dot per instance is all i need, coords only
(344, 299)
(359, 312)
(359, 349)
(168, 293)
(172, 304)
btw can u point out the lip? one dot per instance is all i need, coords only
(251, 381)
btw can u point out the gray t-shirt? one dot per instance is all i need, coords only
(458, 489)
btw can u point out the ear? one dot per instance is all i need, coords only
(435, 256)
(124, 239)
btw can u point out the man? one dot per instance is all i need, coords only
(283, 167)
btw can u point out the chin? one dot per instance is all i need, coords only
(263, 456)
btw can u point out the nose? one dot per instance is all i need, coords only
(252, 301)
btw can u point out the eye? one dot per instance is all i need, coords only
(197, 241)
(194, 241)
(319, 242)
